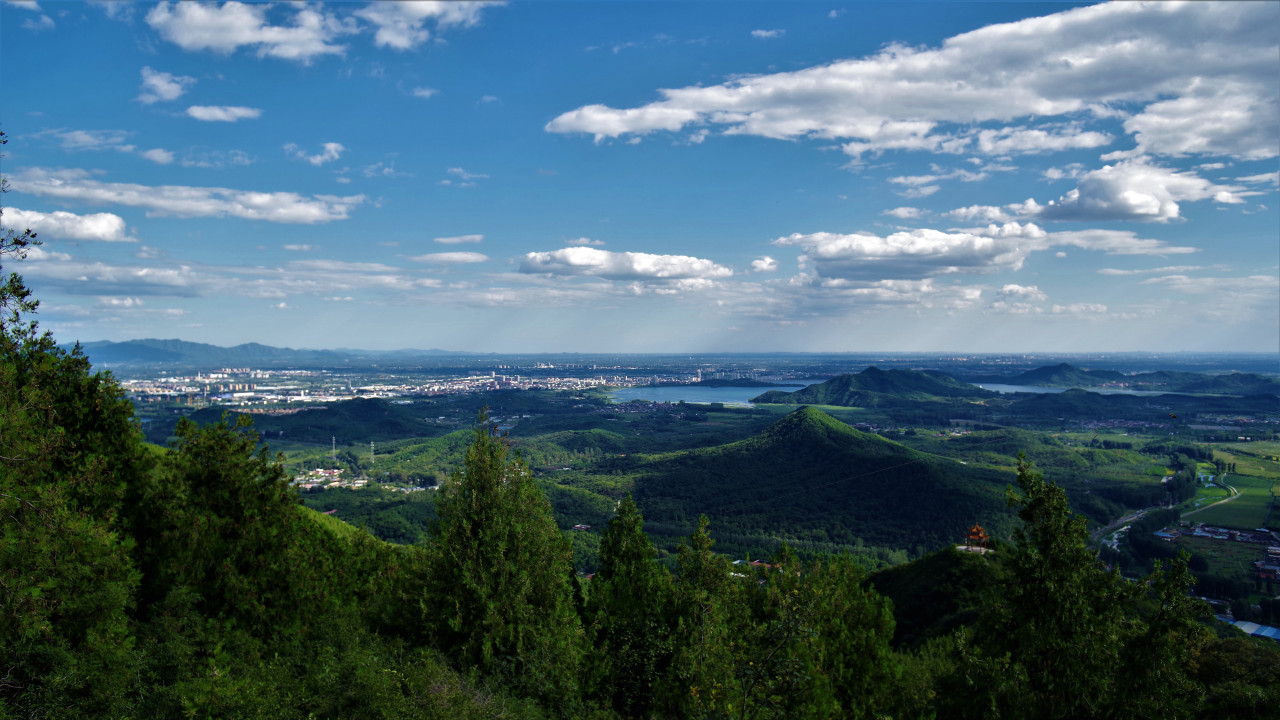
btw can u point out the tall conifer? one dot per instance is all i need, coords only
(499, 601)
(630, 616)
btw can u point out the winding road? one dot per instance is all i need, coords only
(1234, 494)
(1096, 535)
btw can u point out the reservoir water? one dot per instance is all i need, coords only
(738, 396)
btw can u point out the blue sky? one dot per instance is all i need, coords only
(650, 176)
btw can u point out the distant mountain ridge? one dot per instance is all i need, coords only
(874, 386)
(152, 351)
(1067, 375)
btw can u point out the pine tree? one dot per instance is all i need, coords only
(221, 533)
(1067, 637)
(629, 616)
(707, 600)
(499, 601)
(68, 450)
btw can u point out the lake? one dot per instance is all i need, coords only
(737, 396)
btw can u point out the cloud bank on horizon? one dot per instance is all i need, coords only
(782, 176)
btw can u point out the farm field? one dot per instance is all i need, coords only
(1224, 557)
(1205, 495)
(1246, 512)
(1256, 476)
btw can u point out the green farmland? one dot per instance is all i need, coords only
(1255, 479)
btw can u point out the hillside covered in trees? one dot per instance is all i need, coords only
(874, 386)
(813, 479)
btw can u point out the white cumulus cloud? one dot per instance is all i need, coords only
(1022, 292)
(764, 264)
(450, 258)
(911, 254)
(158, 86)
(186, 201)
(622, 265)
(230, 26)
(105, 227)
(78, 140)
(1191, 78)
(1133, 190)
(159, 156)
(904, 213)
(330, 151)
(223, 113)
(403, 25)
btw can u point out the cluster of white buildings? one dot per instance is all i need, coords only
(325, 479)
(246, 387)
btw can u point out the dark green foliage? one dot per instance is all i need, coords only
(68, 454)
(1061, 375)
(223, 529)
(819, 644)
(1235, 384)
(1067, 638)
(1241, 677)
(700, 681)
(498, 601)
(396, 517)
(810, 477)
(875, 387)
(629, 616)
(1082, 405)
(938, 593)
(778, 640)
(350, 421)
(1143, 544)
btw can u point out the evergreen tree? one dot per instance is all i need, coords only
(499, 601)
(221, 534)
(1067, 638)
(629, 616)
(701, 679)
(68, 450)
(815, 643)
(851, 657)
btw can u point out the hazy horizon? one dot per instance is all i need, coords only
(556, 177)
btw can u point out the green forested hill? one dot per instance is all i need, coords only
(811, 478)
(1064, 374)
(1084, 405)
(1235, 384)
(359, 420)
(939, 592)
(873, 387)
(1068, 375)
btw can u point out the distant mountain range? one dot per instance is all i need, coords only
(181, 353)
(1067, 375)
